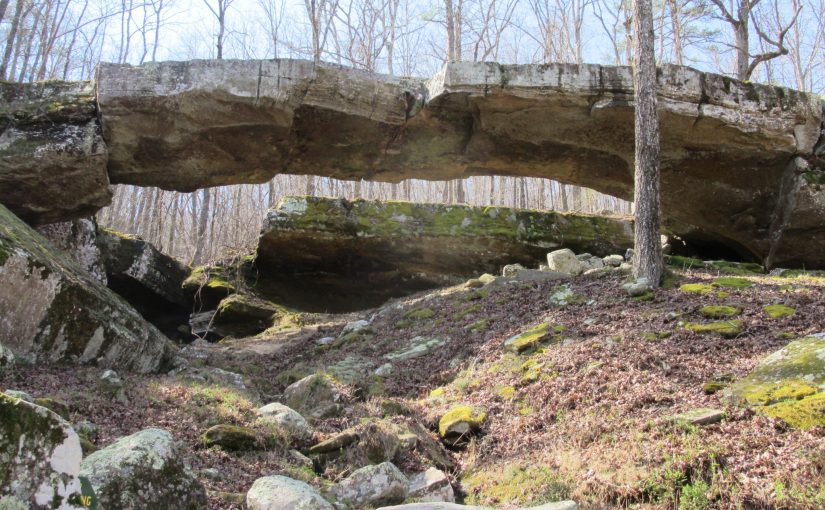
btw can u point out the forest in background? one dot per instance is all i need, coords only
(772, 41)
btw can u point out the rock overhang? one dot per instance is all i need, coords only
(729, 148)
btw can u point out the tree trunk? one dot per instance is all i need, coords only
(15, 23)
(203, 224)
(647, 261)
(742, 48)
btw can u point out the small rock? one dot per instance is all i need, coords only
(112, 385)
(282, 493)
(143, 470)
(563, 295)
(314, 397)
(564, 261)
(628, 255)
(511, 270)
(300, 460)
(212, 474)
(382, 484)
(287, 420)
(22, 395)
(230, 438)
(474, 283)
(418, 346)
(384, 370)
(354, 327)
(88, 429)
(613, 260)
(487, 278)
(701, 416)
(431, 486)
(7, 358)
(638, 287)
(626, 267)
(534, 275)
(325, 341)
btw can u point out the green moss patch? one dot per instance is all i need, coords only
(731, 282)
(420, 314)
(719, 312)
(696, 288)
(530, 339)
(779, 311)
(514, 484)
(726, 329)
(806, 413)
(461, 420)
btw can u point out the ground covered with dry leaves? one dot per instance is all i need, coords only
(586, 416)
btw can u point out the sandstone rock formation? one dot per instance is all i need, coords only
(739, 163)
(364, 252)
(52, 310)
(52, 155)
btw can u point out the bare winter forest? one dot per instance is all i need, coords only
(772, 41)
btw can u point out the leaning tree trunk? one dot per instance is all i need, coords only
(647, 261)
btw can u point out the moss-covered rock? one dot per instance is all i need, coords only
(727, 329)
(789, 384)
(314, 397)
(208, 285)
(244, 315)
(461, 421)
(57, 312)
(39, 456)
(530, 339)
(418, 346)
(696, 288)
(143, 470)
(779, 311)
(230, 437)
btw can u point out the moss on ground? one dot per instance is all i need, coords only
(420, 314)
(732, 282)
(719, 311)
(529, 340)
(696, 288)
(461, 419)
(779, 311)
(726, 329)
(515, 484)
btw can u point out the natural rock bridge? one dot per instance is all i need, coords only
(742, 163)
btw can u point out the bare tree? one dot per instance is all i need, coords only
(321, 14)
(647, 260)
(739, 14)
(219, 11)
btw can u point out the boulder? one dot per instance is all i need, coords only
(314, 397)
(39, 457)
(286, 420)
(143, 470)
(380, 484)
(638, 287)
(52, 155)
(431, 486)
(57, 312)
(788, 384)
(417, 346)
(613, 260)
(242, 315)
(230, 438)
(461, 421)
(112, 385)
(373, 251)
(511, 270)
(148, 279)
(78, 238)
(564, 261)
(282, 493)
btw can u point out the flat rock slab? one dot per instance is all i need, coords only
(559, 505)
(363, 252)
(701, 416)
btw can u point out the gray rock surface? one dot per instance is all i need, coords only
(143, 470)
(39, 456)
(314, 397)
(54, 311)
(431, 486)
(52, 155)
(282, 493)
(287, 420)
(78, 238)
(374, 485)
(564, 261)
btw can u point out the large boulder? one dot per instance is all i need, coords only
(54, 310)
(286, 420)
(78, 238)
(52, 156)
(788, 385)
(376, 250)
(282, 493)
(39, 457)
(148, 279)
(143, 470)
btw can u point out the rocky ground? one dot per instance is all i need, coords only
(612, 401)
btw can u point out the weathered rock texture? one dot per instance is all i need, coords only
(364, 251)
(730, 174)
(52, 155)
(78, 238)
(39, 456)
(52, 310)
(148, 279)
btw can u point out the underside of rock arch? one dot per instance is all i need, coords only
(741, 162)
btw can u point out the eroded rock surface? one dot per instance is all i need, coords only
(363, 252)
(39, 457)
(52, 155)
(52, 310)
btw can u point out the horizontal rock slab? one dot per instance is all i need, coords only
(363, 252)
(727, 145)
(52, 155)
(558, 505)
(52, 310)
